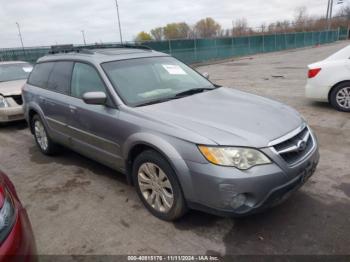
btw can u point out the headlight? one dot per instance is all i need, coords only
(239, 157)
(7, 217)
(3, 102)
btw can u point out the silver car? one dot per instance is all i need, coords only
(13, 75)
(182, 141)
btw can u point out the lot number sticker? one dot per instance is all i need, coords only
(27, 69)
(174, 70)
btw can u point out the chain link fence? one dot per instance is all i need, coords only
(193, 51)
(344, 33)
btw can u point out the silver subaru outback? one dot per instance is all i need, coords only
(182, 141)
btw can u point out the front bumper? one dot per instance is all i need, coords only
(215, 187)
(9, 114)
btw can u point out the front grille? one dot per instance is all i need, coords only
(18, 99)
(295, 148)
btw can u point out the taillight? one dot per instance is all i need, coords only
(7, 215)
(2, 196)
(313, 72)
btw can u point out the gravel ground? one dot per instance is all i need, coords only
(78, 206)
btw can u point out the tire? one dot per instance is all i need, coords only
(341, 93)
(48, 147)
(150, 167)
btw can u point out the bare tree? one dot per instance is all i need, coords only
(263, 28)
(271, 27)
(208, 27)
(240, 27)
(283, 26)
(228, 32)
(345, 13)
(301, 18)
(158, 33)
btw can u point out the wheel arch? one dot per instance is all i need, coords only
(141, 142)
(30, 112)
(334, 86)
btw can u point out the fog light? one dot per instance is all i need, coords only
(238, 201)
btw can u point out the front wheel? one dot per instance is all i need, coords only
(340, 97)
(157, 186)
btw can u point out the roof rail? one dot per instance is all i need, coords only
(56, 49)
(135, 46)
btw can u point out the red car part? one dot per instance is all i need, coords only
(16, 235)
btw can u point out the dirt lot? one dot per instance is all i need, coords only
(78, 206)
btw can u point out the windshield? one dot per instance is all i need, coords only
(143, 80)
(11, 72)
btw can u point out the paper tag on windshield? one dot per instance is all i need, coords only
(27, 69)
(174, 70)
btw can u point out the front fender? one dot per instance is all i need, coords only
(151, 140)
(169, 151)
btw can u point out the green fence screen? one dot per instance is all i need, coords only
(343, 33)
(193, 51)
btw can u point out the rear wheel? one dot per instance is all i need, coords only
(45, 144)
(157, 186)
(340, 97)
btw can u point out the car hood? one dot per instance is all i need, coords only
(11, 87)
(228, 117)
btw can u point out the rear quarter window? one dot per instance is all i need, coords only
(40, 74)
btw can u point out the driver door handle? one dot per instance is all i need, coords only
(72, 108)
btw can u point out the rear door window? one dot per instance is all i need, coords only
(85, 79)
(60, 77)
(40, 74)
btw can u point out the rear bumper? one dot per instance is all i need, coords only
(10, 114)
(20, 244)
(316, 92)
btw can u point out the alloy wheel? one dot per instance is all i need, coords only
(155, 187)
(40, 135)
(343, 97)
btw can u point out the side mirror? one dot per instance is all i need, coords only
(206, 75)
(95, 98)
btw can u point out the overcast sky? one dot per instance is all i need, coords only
(48, 22)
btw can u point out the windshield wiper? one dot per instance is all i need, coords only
(177, 96)
(156, 101)
(194, 91)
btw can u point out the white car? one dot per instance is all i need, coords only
(329, 80)
(13, 75)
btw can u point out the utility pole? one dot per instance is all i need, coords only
(20, 35)
(120, 28)
(83, 33)
(327, 15)
(330, 15)
(330, 11)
